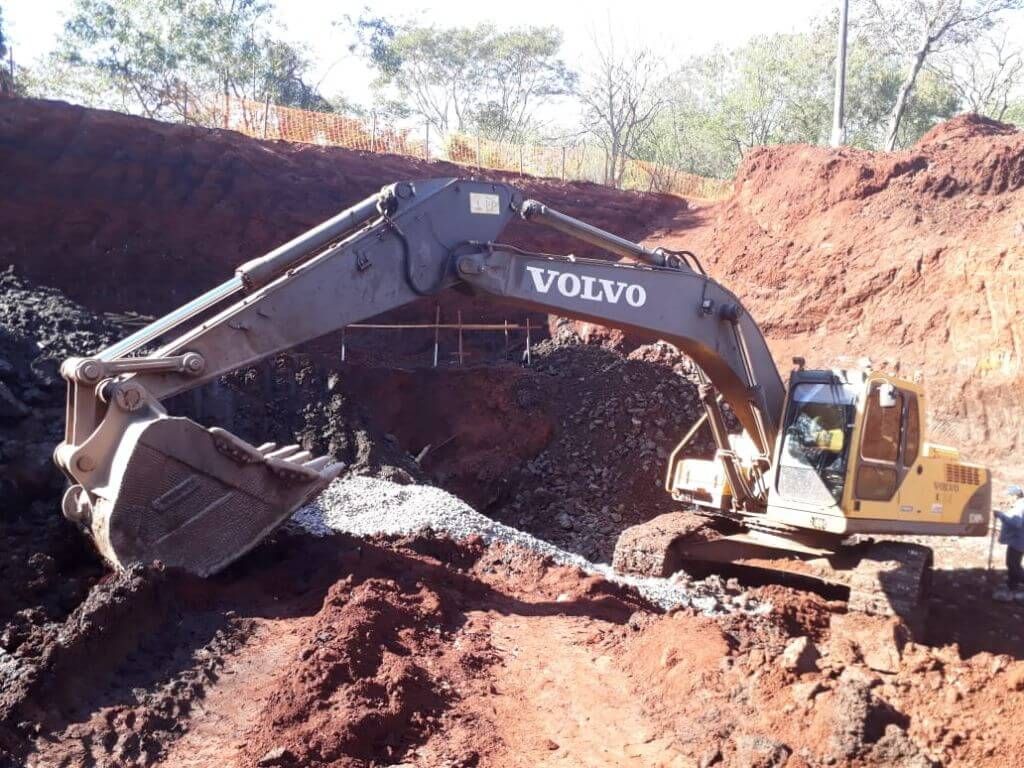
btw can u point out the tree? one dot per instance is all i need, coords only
(919, 29)
(621, 96)
(6, 86)
(467, 78)
(777, 89)
(985, 76)
(164, 57)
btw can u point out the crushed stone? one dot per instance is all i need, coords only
(365, 506)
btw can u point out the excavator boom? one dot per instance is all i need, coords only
(149, 486)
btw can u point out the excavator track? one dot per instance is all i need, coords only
(883, 578)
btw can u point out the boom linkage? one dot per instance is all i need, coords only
(410, 240)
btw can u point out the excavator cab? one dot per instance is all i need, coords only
(850, 458)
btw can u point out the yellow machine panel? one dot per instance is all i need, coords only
(852, 458)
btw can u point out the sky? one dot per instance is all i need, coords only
(673, 29)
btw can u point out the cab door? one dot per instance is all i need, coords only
(912, 491)
(879, 467)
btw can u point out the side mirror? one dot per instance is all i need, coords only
(887, 396)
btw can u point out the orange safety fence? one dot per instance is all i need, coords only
(571, 162)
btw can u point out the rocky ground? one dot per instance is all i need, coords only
(445, 602)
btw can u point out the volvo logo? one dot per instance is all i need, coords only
(586, 287)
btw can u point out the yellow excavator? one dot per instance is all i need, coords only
(835, 456)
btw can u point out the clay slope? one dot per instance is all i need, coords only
(122, 212)
(911, 258)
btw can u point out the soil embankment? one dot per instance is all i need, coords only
(913, 259)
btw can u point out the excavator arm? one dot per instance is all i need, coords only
(150, 486)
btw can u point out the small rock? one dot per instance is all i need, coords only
(276, 756)
(11, 408)
(800, 655)
(711, 757)
(879, 641)
(1015, 678)
(761, 752)
(860, 676)
(805, 692)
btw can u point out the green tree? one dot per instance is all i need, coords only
(465, 78)
(163, 57)
(622, 96)
(778, 89)
(6, 86)
(914, 32)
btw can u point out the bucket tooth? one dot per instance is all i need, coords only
(267, 447)
(318, 464)
(195, 498)
(284, 452)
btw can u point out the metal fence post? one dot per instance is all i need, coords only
(521, 158)
(460, 338)
(426, 143)
(437, 331)
(373, 132)
(563, 163)
(478, 150)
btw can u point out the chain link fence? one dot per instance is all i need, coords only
(569, 162)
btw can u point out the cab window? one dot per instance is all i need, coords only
(881, 440)
(885, 428)
(913, 432)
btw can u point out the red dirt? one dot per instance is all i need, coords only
(343, 652)
(122, 212)
(908, 258)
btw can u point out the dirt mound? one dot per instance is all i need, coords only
(967, 126)
(46, 565)
(346, 652)
(906, 258)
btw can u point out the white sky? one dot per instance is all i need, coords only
(673, 29)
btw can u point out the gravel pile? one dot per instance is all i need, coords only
(365, 506)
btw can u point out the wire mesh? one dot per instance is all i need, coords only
(570, 162)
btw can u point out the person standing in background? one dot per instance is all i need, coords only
(1011, 534)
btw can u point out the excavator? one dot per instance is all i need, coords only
(818, 467)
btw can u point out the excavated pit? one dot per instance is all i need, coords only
(414, 648)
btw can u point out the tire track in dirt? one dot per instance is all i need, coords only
(216, 735)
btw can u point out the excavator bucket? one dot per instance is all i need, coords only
(192, 497)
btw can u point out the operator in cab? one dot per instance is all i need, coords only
(1011, 534)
